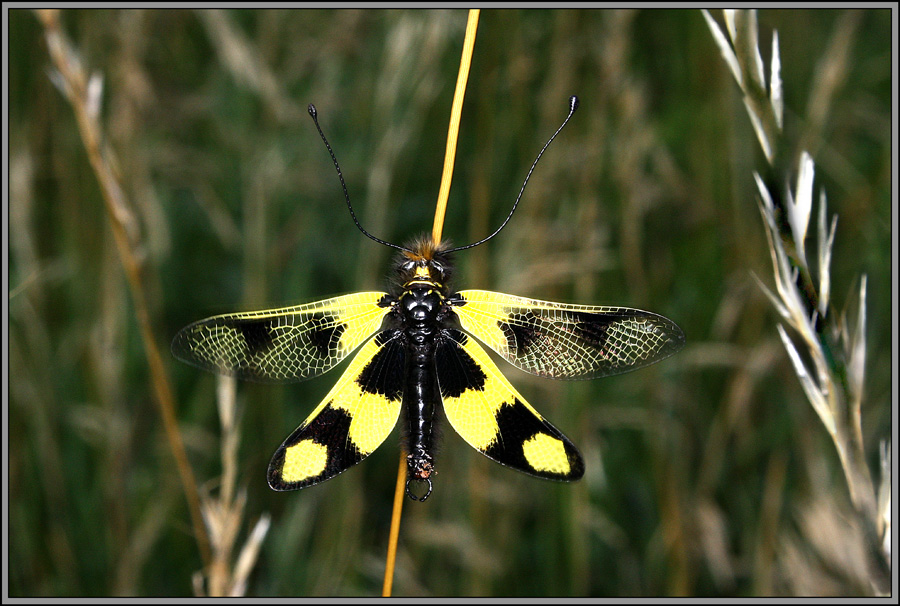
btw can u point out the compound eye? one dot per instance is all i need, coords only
(408, 265)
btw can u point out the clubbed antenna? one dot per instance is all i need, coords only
(573, 105)
(315, 117)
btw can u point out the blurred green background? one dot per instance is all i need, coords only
(708, 474)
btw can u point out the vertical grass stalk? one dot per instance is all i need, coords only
(439, 214)
(223, 513)
(84, 94)
(455, 114)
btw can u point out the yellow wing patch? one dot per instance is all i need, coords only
(488, 413)
(563, 341)
(546, 453)
(351, 421)
(305, 459)
(286, 344)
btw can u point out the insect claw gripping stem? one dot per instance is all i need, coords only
(412, 496)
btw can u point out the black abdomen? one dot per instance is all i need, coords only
(420, 308)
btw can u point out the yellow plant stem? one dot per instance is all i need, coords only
(395, 528)
(439, 213)
(455, 113)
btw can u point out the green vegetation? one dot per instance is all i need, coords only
(709, 474)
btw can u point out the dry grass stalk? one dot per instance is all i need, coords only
(84, 93)
(827, 351)
(224, 513)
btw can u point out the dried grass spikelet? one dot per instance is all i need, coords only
(827, 349)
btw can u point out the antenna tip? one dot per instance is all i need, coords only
(312, 111)
(573, 103)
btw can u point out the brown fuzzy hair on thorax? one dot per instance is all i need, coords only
(424, 248)
(421, 253)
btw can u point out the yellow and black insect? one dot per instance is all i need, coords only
(418, 351)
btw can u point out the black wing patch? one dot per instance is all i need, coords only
(287, 344)
(488, 413)
(350, 423)
(562, 341)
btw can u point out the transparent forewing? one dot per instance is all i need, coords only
(562, 341)
(287, 344)
(488, 413)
